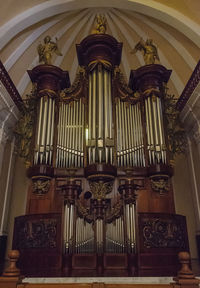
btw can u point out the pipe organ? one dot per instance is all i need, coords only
(101, 196)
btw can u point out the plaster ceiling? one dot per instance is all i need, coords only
(173, 26)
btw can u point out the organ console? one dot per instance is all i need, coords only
(100, 202)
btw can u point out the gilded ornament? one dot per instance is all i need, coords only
(160, 184)
(149, 50)
(25, 125)
(46, 50)
(76, 90)
(115, 212)
(123, 91)
(100, 25)
(84, 212)
(41, 184)
(100, 189)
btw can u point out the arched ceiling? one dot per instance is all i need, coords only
(174, 28)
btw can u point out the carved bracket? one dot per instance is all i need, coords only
(160, 184)
(41, 184)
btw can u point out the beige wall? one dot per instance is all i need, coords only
(18, 197)
(183, 196)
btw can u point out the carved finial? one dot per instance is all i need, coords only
(149, 50)
(185, 277)
(100, 25)
(46, 50)
(185, 272)
(12, 270)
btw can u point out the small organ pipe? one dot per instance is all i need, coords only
(161, 129)
(129, 135)
(152, 147)
(52, 131)
(100, 102)
(47, 148)
(155, 121)
(110, 104)
(138, 134)
(107, 108)
(94, 104)
(39, 131)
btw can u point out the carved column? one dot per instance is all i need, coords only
(127, 190)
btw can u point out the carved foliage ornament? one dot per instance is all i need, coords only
(175, 132)
(83, 212)
(25, 125)
(100, 189)
(75, 91)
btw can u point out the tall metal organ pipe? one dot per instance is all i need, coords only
(130, 144)
(156, 145)
(45, 131)
(69, 151)
(100, 123)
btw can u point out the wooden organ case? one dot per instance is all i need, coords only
(100, 201)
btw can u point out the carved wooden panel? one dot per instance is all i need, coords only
(162, 231)
(38, 238)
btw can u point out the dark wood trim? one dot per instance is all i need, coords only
(3, 242)
(189, 88)
(10, 86)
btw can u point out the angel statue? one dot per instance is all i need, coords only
(150, 53)
(47, 49)
(100, 25)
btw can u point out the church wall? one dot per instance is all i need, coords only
(3, 177)
(182, 184)
(18, 197)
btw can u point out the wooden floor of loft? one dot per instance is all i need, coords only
(12, 279)
(93, 285)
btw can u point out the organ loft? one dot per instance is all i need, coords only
(99, 153)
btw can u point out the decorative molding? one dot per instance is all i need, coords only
(10, 87)
(189, 88)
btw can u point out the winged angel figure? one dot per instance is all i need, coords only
(47, 49)
(149, 50)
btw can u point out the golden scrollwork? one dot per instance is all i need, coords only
(46, 50)
(24, 127)
(77, 89)
(100, 189)
(41, 184)
(100, 27)
(160, 184)
(83, 211)
(149, 50)
(122, 89)
(100, 62)
(115, 212)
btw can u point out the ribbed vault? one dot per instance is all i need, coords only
(175, 34)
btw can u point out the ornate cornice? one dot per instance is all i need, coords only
(10, 87)
(189, 88)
